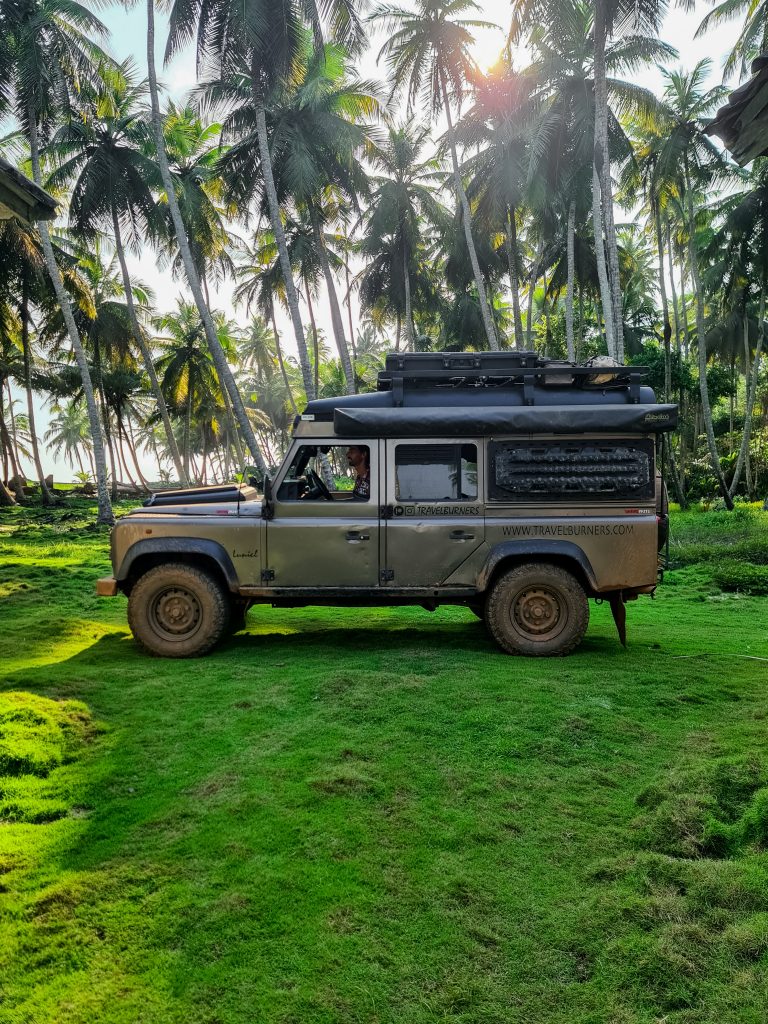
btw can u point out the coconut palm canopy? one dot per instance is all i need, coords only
(306, 219)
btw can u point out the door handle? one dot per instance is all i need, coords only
(461, 535)
(354, 536)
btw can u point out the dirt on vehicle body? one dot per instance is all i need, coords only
(514, 485)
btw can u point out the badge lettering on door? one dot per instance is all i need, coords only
(245, 554)
(437, 510)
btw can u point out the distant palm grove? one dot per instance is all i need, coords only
(548, 203)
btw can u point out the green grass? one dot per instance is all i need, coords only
(373, 816)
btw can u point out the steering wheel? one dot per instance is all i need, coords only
(318, 484)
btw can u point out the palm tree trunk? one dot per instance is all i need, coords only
(146, 355)
(104, 505)
(706, 409)
(747, 459)
(751, 393)
(667, 326)
(187, 431)
(333, 301)
(281, 364)
(531, 289)
(602, 272)
(348, 298)
(232, 429)
(8, 443)
(121, 437)
(514, 280)
(131, 442)
(223, 370)
(603, 167)
(684, 308)
(410, 334)
(24, 309)
(571, 259)
(6, 498)
(292, 296)
(14, 450)
(675, 311)
(315, 339)
(108, 435)
(461, 195)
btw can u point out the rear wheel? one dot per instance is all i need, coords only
(537, 609)
(178, 611)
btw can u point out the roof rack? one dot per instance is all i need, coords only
(499, 370)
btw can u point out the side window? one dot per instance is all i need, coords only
(328, 472)
(435, 472)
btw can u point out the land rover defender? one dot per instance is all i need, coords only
(516, 486)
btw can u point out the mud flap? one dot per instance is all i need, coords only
(619, 612)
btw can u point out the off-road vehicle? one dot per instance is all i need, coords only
(516, 486)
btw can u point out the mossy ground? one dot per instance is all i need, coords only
(374, 816)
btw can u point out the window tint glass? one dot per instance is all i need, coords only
(343, 469)
(436, 472)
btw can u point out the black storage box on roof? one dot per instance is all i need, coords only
(454, 393)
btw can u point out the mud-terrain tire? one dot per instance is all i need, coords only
(537, 609)
(178, 611)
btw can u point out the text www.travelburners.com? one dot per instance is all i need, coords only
(569, 530)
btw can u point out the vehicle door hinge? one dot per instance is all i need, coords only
(385, 575)
(385, 511)
(267, 575)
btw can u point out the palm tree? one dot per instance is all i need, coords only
(186, 368)
(499, 126)
(753, 38)
(428, 53)
(261, 41)
(316, 132)
(100, 150)
(744, 239)
(403, 207)
(564, 64)
(47, 49)
(185, 251)
(689, 154)
(194, 155)
(68, 433)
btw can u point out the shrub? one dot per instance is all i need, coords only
(749, 579)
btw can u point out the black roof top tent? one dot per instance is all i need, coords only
(454, 394)
(22, 198)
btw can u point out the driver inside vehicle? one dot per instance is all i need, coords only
(359, 459)
(328, 473)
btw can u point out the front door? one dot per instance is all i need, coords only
(435, 518)
(325, 529)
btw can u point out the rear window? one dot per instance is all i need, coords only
(558, 470)
(436, 472)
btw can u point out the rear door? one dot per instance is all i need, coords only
(434, 513)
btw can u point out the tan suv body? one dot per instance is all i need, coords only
(516, 487)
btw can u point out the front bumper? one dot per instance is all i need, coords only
(106, 586)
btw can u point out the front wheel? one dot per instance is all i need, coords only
(178, 611)
(537, 609)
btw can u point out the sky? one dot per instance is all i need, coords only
(128, 40)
